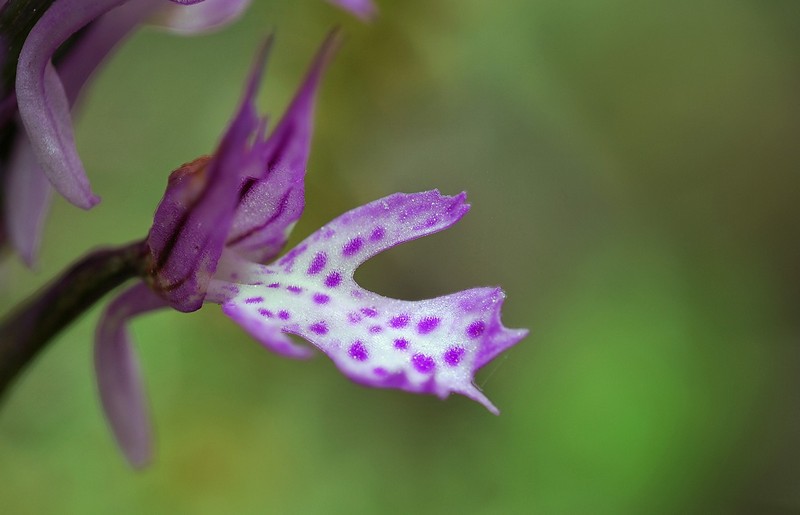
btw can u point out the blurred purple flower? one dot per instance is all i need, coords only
(35, 119)
(222, 216)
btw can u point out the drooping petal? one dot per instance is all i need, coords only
(194, 217)
(42, 101)
(273, 200)
(28, 194)
(364, 9)
(193, 18)
(118, 379)
(429, 346)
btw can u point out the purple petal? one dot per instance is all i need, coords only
(194, 217)
(118, 378)
(28, 194)
(42, 101)
(429, 346)
(364, 9)
(192, 18)
(273, 200)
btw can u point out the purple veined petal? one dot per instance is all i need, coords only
(364, 9)
(28, 195)
(198, 17)
(42, 101)
(272, 201)
(118, 379)
(193, 219)
(429, 346)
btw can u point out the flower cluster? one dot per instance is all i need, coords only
(223, 216)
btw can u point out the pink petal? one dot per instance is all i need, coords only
(118, 378)
(42, 101)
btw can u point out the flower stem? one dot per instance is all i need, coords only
(25, 332)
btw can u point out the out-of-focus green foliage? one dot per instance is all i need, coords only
(633, 169)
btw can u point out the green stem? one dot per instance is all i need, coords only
(25, 332)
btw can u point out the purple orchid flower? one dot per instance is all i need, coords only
(39, 136)
(223, 216)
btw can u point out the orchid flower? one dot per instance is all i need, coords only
(36, 115)
(223, 216)
(38, 138)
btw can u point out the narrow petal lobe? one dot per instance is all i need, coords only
(43, 103)
(272, 201)
(118, 377)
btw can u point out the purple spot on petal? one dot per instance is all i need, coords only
(319, 328)
(476, 329)
(321, 298)
(399, 321)
(294, 289)
(352, 246)
(401, 343)
(283, 314)
(358, 352)
(333, 280)
(423, 363)
(380, 371)
(265, 313)
(274, 285)
(253, 300)
(318, 263)
(369, 312)
(453, 355)
(354, 318)
(375, 329)
(430, 222)
(428, 324)
(427, 224)
(377, 234)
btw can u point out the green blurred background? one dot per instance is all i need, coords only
(633, 171)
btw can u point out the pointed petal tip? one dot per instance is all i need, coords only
(327, 51)
(476, 395)
(259, 66)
